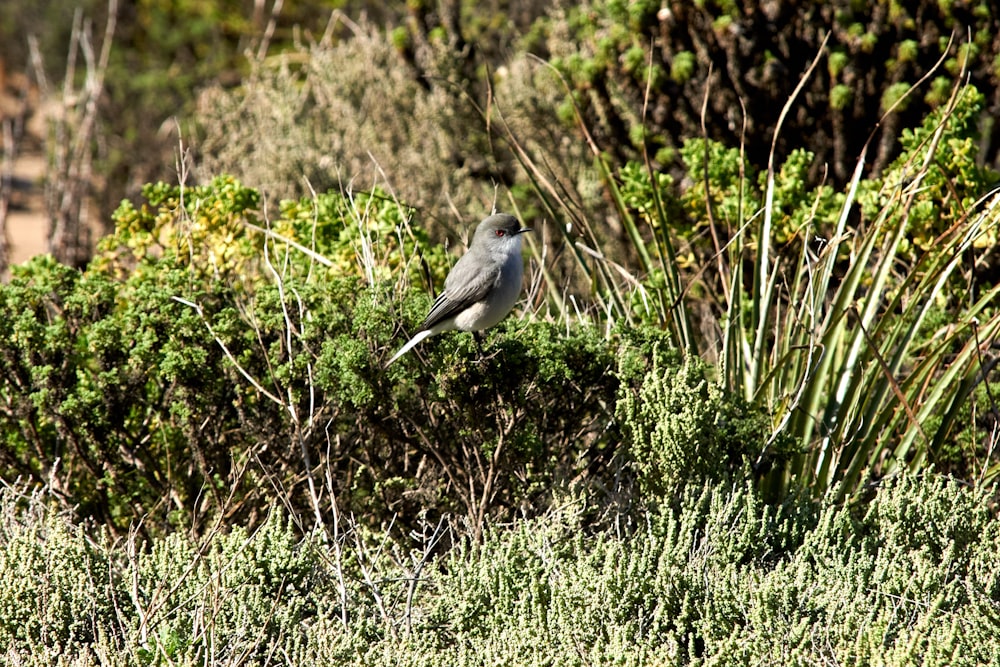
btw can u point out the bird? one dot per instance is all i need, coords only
(482, 287)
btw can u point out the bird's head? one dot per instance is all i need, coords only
(500, 228)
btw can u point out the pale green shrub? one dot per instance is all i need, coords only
(53, 581)
(682, 427)
(719, 578)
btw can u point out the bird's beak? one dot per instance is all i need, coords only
(525, 229)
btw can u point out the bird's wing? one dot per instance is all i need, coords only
(466, 285)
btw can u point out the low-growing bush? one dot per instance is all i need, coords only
(682, 427)
(719, 577)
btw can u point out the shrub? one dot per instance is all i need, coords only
(115, 396)
(941, 153)
(717, 577)
(681, 428)
(204, 365)
(358, 112)
(53, 582)
(751, 58)
(69, 594)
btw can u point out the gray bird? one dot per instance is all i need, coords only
(482, 287)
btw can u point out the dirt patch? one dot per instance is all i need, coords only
(23, 187)
(27, 221)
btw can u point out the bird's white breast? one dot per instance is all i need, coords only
(501, 299)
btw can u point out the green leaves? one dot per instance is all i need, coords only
(215, 377)
(851, 333)
(713, 576)
(682, 428)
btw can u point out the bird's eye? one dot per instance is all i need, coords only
(500, 232)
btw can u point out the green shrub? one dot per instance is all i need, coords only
(716, 577)
(228, 598)
(868, 56)
(207, 360)
(113, 392)
(942, 153)
(67, 592)
(724, 579)
(681, 428)
(54, 582)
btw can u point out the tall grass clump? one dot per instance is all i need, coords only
(861, 338)
(861, 321)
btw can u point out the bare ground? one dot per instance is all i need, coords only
(27, 222)
(22, 179)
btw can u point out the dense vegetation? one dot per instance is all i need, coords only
(718, 578)
(746, 414)
(425, 92)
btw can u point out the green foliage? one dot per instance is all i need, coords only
(218, 359)
(942, 153)
(215, 230)
(682, 67)
(523, 418)
(298, 312)
(970, 454)
(202, 225)
(836, 62)
(870, 53)
(107, 387)
(70, 593)
(50, 573)
(239, 591)
(840, 96)
(364, 233)
(796, 205)
(184, 361)
(724, 580)
(639, 194)
(681, 428)
(894, 97)
(845, 366)
(715, 577)
(727, 173)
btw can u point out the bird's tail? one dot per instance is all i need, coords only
(409, 345)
